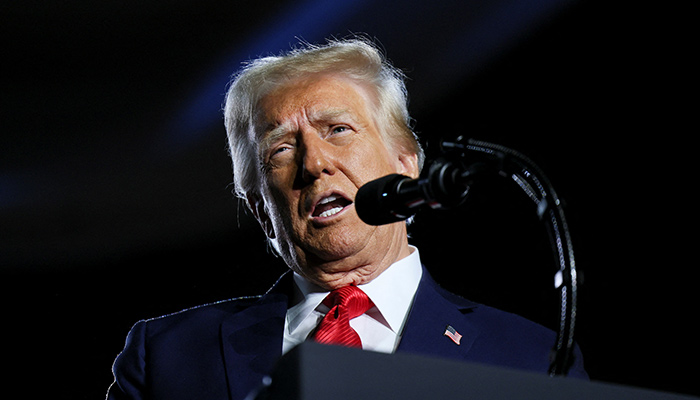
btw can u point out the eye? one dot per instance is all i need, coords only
(279, 155)
(339, 129)
(279, 150)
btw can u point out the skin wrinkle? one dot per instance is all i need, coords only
(366, 273)
(301, 118)
(276, 132)
(363, 273)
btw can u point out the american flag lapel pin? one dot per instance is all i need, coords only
(451, 333)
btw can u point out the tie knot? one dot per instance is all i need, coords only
(350, 299)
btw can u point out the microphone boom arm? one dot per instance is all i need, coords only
(530, 178)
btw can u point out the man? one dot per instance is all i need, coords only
(306, 131)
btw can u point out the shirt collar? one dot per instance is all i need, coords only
(391, 292)
(307, 297)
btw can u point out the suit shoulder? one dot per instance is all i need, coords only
(201, 315)
(503, 326)
(208, 317)
(488, 318)
(497, 314)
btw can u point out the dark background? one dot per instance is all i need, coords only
(115, 202)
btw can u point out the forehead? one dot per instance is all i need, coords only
(313, 97)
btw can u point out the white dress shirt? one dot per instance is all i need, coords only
(380, 328)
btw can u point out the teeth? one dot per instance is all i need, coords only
(328, 199)
(330, 212)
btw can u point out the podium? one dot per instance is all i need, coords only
(312, 371)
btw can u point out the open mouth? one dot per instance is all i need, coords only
(329, 206)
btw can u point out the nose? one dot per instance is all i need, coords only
(317, 158)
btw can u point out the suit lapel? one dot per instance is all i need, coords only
(251, 339)
(433, 310)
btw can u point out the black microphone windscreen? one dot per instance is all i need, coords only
(372, 201)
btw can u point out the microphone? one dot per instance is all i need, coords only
(396, 197)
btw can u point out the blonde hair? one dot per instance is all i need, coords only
(357, 59)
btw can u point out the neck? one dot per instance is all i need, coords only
(359, 268)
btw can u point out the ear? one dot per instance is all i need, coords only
(408, 164)
(256, 203)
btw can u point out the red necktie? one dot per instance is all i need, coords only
(346, 303)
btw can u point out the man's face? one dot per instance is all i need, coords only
(319, 143)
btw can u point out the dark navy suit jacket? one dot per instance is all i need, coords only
(223, 350)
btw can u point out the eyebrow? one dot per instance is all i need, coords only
(274, 133)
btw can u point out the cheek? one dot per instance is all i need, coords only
(279, 184)
(373, 162)
(281, 204)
